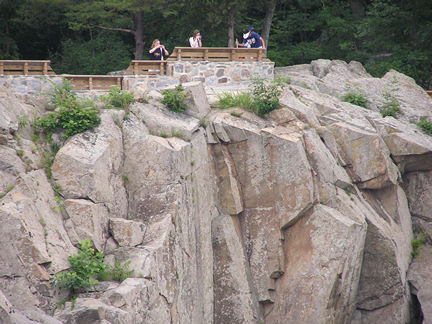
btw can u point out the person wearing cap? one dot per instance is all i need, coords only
(251, 39)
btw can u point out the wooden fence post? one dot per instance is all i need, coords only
(135, 67)
(25, 68)
(206, 54)
(162, 63)
(90, 83)
(179, 54)
(1, 68)
(45, 68)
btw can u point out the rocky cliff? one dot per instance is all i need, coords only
(306, 216)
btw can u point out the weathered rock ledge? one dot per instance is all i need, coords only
(304, 217)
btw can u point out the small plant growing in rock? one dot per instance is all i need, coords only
(177, 133)
(73, 116)
(357, 99)
(203, 122)
(425, 125)
(120, 272)
(229, 100)
(84, 268)
(266, 94)
(118, 98)
(263, 99)
(391, 106)
(174, 99)
(417, 244)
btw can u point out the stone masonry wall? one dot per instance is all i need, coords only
(220, 74)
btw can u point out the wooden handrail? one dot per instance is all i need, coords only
(429, 92)
(94, 82)
(146, 67)
(217, 54)
(26, 67)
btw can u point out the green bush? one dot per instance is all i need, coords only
(118, 98)
(266, 94)
(391, 106)
(174, 99)
(84, 267)
(356, 99)
(263, 99)
(73, 116)
(417, 244)
(425, 125)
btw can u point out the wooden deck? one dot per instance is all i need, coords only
(218, 54)
(26, 67)
(94, 82)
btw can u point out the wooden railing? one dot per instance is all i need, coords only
(94, 82)
(218, 54)
(429, 92)
(146, 67)
(26, 67)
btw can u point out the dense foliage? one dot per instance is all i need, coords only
(358, 99)
(174, 99)
(84, 267)
(72, 116)
(94, 37)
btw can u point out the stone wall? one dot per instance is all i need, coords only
(29, 85)
(220, 74)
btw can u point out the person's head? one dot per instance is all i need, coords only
(245, 33)
(155, 43)
(251, 29)
(196, 33)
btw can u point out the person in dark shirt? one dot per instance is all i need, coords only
(251, 39)
(158, 51)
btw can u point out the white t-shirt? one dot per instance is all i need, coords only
(194, 43)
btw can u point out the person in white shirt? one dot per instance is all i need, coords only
(195, 40)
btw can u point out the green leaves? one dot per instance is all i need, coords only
(356, 99)
(174, 99)
(73, 116)
(84, 267)
(266, 94)
(118, 98)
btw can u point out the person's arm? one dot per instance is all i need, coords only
(153, 49)
(239, 44)
(262, 43)
(165, 51)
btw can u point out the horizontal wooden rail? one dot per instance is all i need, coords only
(26, 67)
(218, 54)
(94, 82)
(429, 92)
(146, 67)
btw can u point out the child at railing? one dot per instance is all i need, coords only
(195, 40)
(158, 51)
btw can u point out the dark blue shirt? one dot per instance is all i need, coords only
(253, 40)
(159, 54)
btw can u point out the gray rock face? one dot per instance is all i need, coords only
(303, 217)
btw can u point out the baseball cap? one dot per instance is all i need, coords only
(251, 28)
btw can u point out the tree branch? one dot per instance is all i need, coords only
(117, 29)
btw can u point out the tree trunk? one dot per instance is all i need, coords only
(270, 8)
(139, 35)
(7, 41)
(231, 29)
